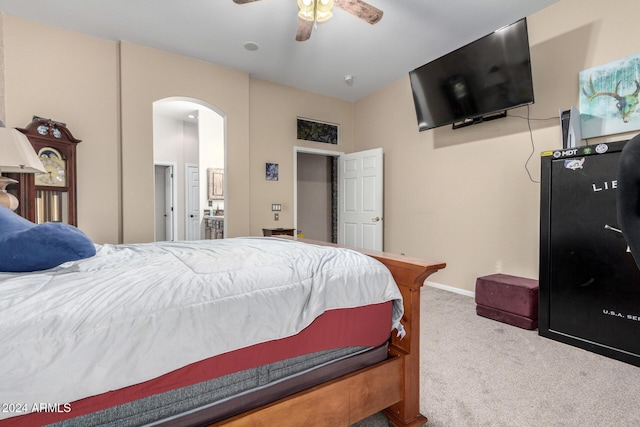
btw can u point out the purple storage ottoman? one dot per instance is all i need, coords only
(508, 299)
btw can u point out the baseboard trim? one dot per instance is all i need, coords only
(450, 289)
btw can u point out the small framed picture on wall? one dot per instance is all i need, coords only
(271, 172)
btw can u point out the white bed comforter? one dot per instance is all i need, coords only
(134, 312)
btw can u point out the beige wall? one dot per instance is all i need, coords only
(105, 91)
(464, 196)
(70, 78)
(274, 109)
(148, 75)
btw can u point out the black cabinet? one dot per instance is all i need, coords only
(589, 283)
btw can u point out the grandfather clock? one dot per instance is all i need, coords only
(50, 196)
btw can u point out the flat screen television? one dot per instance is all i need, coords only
(476, 82)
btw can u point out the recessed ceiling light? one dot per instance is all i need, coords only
(251, 46)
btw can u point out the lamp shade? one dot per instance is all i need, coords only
(16, 153)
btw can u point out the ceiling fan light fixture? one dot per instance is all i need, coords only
(323, 10)
(307, 9)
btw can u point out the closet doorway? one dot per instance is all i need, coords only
(316, 213)
(338, 197)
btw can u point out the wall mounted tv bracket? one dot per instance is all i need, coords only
(476, 120)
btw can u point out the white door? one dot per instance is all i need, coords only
(193, 204)
(168, 203)
(360, 204)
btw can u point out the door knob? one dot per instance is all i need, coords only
(376, 219)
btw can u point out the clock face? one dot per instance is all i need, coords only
(42, 129)
(55, 167)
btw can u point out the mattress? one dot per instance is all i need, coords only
(116, 320)
(333, 336)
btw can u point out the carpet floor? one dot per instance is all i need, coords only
(479, 372)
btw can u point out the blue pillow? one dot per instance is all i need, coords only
(25, 246)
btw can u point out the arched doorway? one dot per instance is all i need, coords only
(188, 147)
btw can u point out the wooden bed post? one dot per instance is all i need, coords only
(410, 274)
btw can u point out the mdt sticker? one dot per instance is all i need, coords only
(565, 153)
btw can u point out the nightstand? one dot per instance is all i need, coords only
(278, 231)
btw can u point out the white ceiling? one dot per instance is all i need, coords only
(411, 33)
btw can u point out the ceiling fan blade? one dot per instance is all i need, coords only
(362, 10)
(244, 1)
(303, 32)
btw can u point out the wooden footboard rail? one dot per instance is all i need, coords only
(410, 274)
(392, 386)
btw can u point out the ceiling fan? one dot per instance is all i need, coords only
(312, 11)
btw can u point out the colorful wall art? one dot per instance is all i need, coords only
(609, 96)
